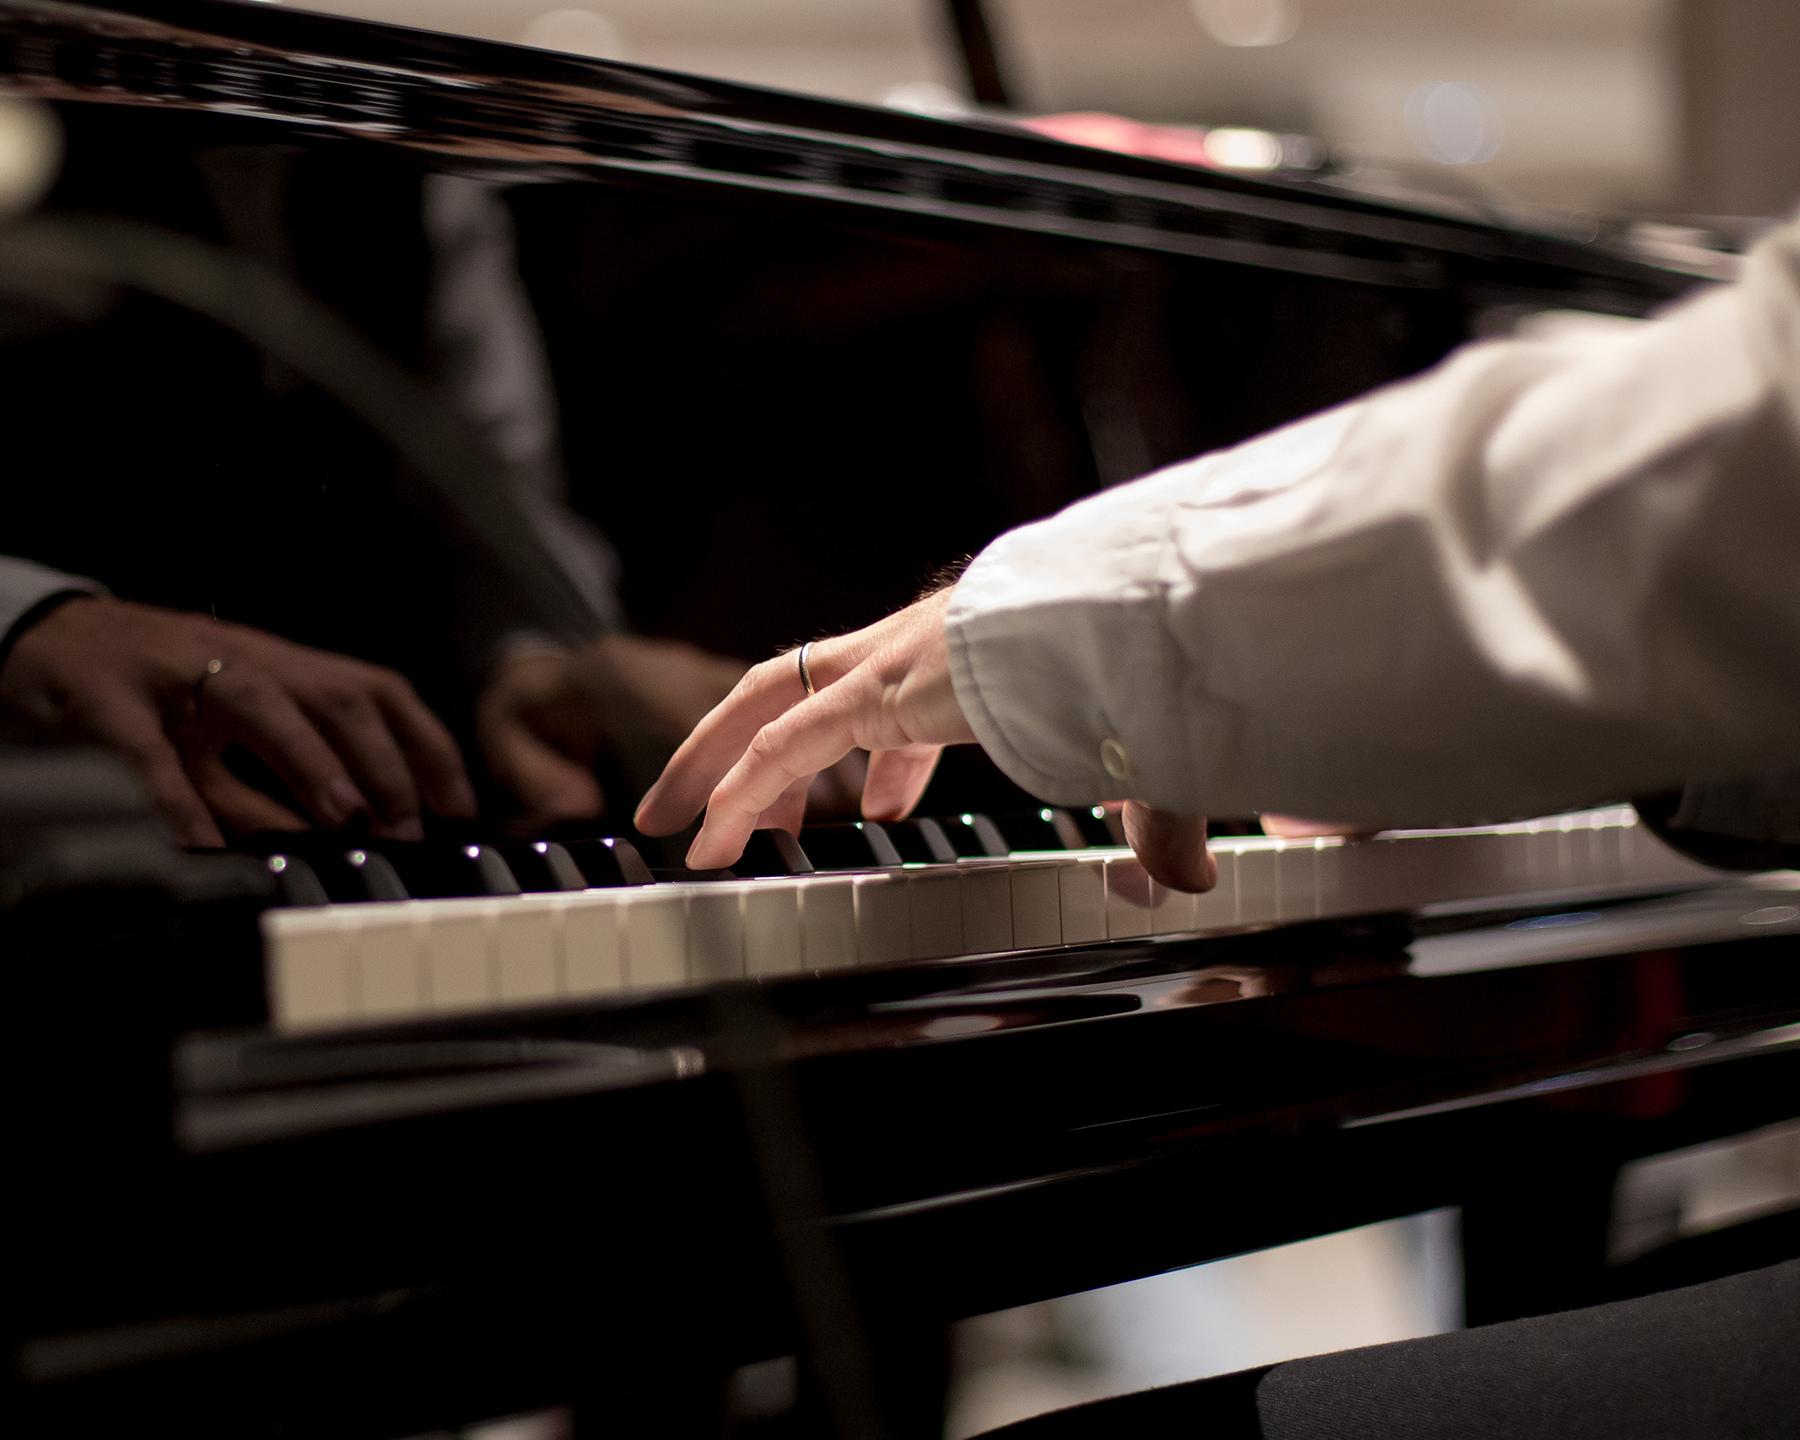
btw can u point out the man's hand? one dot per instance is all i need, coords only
(346, 739)
(886, 689)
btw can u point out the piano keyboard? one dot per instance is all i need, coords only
(337, 965)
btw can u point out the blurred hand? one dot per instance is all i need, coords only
(346, 739)
(1287, 827)
(548, 717)
(748, 764)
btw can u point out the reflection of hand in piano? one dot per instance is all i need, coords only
(549, 716)
(171, 692)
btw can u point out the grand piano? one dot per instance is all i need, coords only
(407, 347)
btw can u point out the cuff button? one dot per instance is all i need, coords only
(1114, 759)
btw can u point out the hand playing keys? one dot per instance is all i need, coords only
(885, 689)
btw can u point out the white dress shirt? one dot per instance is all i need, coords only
(1544, 573)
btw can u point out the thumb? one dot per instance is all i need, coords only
(1171, 847)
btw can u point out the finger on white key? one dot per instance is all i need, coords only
(934, 901)
(590, 947)
(524, 931)
(772, 930)
(654, 922)
(311, 976)
(987, 919)
(883, 919)
(715, 933)
(1036, 904)
(390, 961)
(1081, 886)
(459, 954)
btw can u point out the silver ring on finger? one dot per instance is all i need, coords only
(212, 668)
(806, 680)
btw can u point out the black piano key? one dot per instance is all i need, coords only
(772, 852)
(921, 842)
(1098, 825)
(295, 881)
(542, 866)
(347, 873)
(608, 862)
(973, 836)
(432, 870)
(1042, 829)
(375, 876)
(861, 845)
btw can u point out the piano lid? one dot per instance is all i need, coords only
(527, 112)
(436, 355)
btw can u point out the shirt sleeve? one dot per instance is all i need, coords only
(26, 587)
(1543, 573)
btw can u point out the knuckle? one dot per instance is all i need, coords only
(342, 701)
(765, 747)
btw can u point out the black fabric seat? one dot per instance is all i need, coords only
(1710, 1362)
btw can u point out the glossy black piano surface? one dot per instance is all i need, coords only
(417, 349)
(753, 365)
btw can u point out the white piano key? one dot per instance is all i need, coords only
(1256, 873)
(987, 921)
(1484, 863)
(311, 978)
(1609, 846)
(715, 933)
(1580, 848)
(1217, 908)
(1297, 881)
(1082, 888)
(883, 919)
(390, 960)
(934, 900)
(1353, 880)
(654, 921)
(1129, 898)
(1175, 912)
(1331, 886)
(1036, 904)
(524, 941)
(771, 913)
(459, 957)
(590, 943)
(830, 922)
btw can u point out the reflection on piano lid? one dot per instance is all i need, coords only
(340, 965)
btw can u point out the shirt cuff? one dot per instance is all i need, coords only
(1068, 681)
(28, 592)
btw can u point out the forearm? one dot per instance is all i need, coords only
(1538, 575)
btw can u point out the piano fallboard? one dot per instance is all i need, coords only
(944, 1139)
